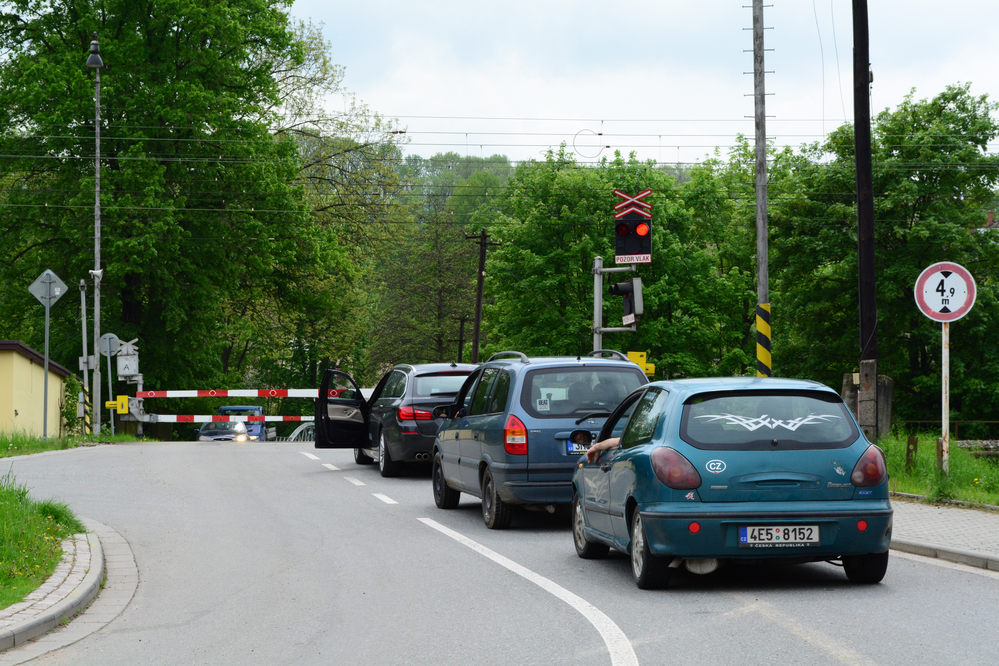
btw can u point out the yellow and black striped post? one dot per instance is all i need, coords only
(764, 362)
(86, 411)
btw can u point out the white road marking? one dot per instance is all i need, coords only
(332, 468)
(354, 481)
(385, 498)
(618, 645)
(834, 649)
(309, 455)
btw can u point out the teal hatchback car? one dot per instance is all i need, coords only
(714, 470)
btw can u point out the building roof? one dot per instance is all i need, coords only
(29, 353)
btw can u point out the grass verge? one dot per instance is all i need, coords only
(971, 479)
(30, 534)
(22, 444)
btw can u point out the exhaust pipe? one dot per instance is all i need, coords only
(701, 567)
(423, 456)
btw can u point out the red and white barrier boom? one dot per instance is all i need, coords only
(237, 393)
(206, 418)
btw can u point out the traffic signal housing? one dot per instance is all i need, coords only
(633, 239)
(631, 291)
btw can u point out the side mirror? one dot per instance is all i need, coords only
(581, 437)
(441, 412)
(460, 414)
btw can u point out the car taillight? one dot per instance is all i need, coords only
(870, 470)
(674, 470)
(413, 414)
(515, 436)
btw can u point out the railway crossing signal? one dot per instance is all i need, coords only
(633, 229)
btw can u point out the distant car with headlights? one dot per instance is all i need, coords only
(716, 470)
(223, 431)
(255, 430)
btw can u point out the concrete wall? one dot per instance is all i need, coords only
(22, 386)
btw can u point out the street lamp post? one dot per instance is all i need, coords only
(95, 61)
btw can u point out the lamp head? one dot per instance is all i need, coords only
(95, 54)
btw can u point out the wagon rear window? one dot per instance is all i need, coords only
(763, 420)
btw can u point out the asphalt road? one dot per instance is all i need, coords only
(259, 554)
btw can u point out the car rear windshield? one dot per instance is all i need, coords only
(448, 382)
(764, 420)
(561, 392)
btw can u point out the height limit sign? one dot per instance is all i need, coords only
(945, 292)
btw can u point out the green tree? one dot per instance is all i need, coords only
(933, 178)
(200, 207)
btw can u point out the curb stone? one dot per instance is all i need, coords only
(77, 599)
(968, 557)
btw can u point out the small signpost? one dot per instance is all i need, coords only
(48, 289)
(945, 292)
(108, 345)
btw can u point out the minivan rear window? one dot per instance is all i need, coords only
(561, 392)
(765, 420)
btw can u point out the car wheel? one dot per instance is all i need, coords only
(651, 572)
(866, 569)
(588, 550)
(496, 513)
(361, 458)
(445, 497)
(386, 465)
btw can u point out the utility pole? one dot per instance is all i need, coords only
(867, 398)
(764, 360)
(483, 240)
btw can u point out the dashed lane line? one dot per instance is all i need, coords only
(332, 468)
(356, 482)
(385, 498)
(309, 455)
(618, 645)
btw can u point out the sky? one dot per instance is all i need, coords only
(665, 79)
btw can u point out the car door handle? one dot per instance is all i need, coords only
(605, 467)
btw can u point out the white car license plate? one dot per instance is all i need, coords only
(577, 448)
(756, 536)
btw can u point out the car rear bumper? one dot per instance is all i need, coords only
(412, 446)
(668, 528)
(536, 492)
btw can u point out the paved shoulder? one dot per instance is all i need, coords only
(969, 536)
(76, 582)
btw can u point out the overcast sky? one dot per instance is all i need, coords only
(663, 78)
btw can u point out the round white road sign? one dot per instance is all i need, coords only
(945, 291)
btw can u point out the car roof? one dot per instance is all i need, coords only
(560, 361)
(686, 387)
(430, 368)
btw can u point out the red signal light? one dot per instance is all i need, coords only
(642, 229)
(623, 230)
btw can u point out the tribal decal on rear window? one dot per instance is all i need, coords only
(755, 423)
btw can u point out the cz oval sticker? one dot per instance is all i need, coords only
(715, 466)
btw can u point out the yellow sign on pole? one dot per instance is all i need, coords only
(120, 405)
(638, 358)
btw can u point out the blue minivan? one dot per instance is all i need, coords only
(505, 438)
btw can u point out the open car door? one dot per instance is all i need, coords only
(342, 413)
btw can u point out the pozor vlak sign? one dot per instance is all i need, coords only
(945, 292)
